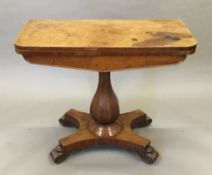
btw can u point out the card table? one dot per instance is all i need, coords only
(104, 46)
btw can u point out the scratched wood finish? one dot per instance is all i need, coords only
(105, 45)
(105, 37)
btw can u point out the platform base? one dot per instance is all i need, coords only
(85, 137)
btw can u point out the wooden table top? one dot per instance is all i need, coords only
(105, 45)
(106, 37)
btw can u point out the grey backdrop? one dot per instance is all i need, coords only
(178, 97)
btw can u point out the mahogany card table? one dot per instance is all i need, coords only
(105, 46)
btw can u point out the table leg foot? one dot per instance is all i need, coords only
(64, 122)
(136, 119)
(150, 155)
(73, 118)
(147, 121)
(58, 155)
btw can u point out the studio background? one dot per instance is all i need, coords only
(178, 98)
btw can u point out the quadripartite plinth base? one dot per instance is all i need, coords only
(90, 133)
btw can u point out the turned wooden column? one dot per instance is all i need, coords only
(104, 109)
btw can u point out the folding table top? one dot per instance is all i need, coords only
(105, 45)
(106, 37)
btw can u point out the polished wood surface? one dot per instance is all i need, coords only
(83, 138)
(104, 125)
(105, 37)
(104, 109)
(103, 63)
(104, 106)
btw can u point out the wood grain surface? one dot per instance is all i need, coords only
(106, 37)
(102, 63)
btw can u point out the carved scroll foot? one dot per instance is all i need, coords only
(150, 155)
(64, 122)
(147, 122)
(58, 155)
(73, 118)
(136, 119)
